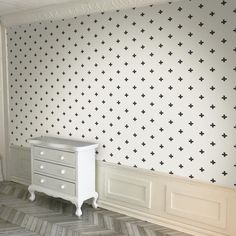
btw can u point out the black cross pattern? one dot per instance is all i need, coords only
(154, 86)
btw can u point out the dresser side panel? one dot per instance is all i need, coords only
(85, 174)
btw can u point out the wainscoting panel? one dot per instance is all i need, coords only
(186, 205)
(192, 202)
(131, 190)
(193, 207)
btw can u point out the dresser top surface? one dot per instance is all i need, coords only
(60, 143)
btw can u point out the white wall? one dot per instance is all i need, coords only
(154, 86)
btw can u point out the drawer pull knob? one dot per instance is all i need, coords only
(42, 181)
(63, 172)
(41, 167)
(62, 186)
(62, 158)
(41, 153)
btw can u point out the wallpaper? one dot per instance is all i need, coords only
(154, 86)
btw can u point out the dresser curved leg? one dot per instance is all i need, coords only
(78, 211)
(94, 202)
(32, 194)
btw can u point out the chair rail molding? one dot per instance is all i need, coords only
(190, 206)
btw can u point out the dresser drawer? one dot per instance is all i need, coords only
(54, 169)
(67, 158)
(54, 184)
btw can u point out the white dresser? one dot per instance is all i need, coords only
(63, 168)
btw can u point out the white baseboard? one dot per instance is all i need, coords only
(20, 180)
(193, 207)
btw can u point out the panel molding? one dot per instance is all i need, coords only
(202, 205)
(161, 188)
(135, 191)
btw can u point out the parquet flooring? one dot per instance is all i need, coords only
(49, 216)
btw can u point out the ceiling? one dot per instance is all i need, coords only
(13, 6)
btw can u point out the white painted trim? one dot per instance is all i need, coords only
(6, 103)
(2, 132)
(189, 229)
(72, 9)
(136, 190)
(184, 215)
(206, 207)
(4, 100)
(158, 208)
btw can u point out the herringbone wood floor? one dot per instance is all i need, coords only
(55, 217)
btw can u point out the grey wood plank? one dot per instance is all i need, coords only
(55, 217)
